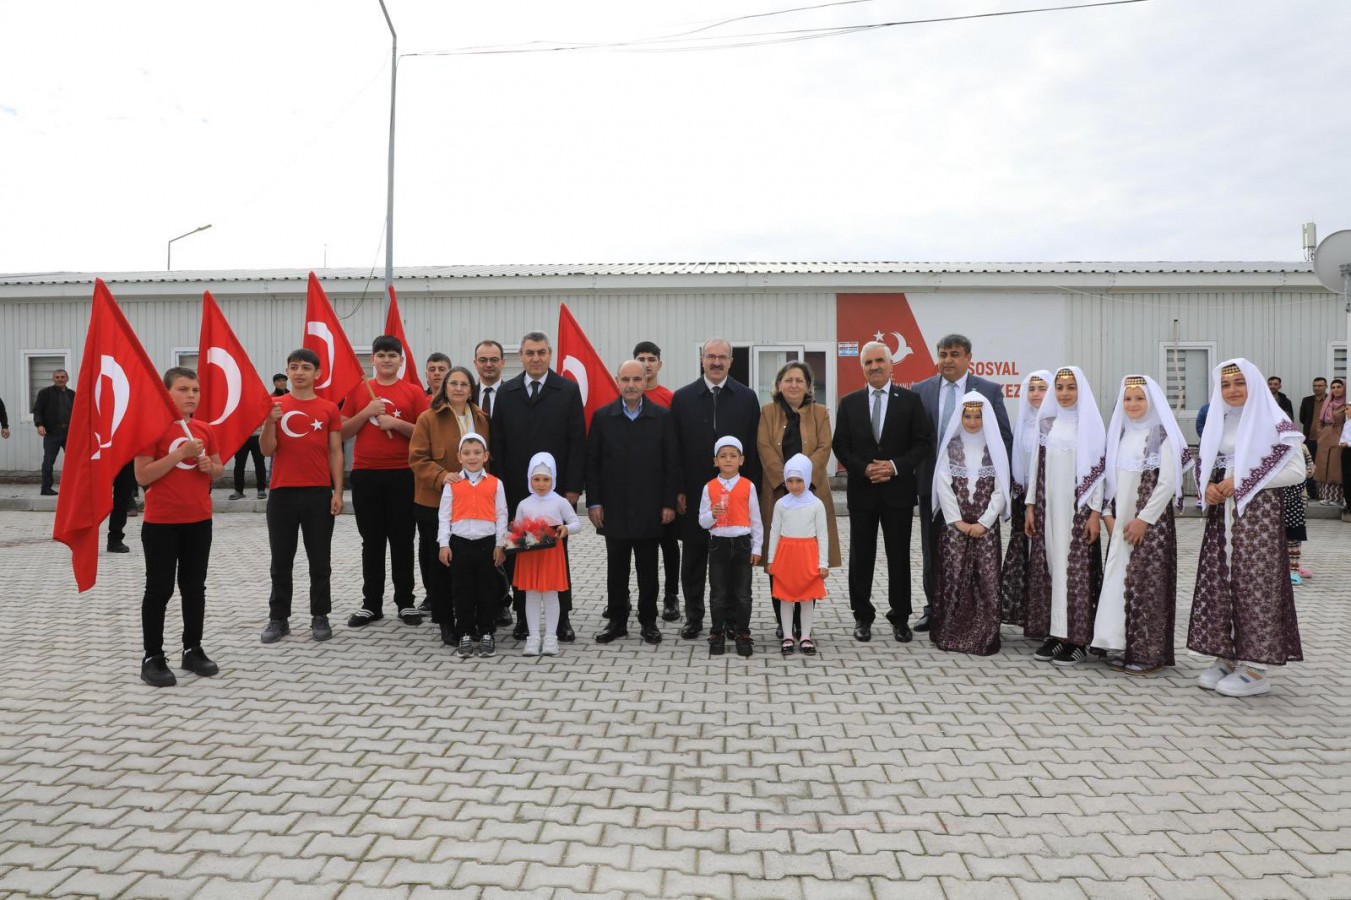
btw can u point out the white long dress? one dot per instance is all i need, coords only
(1109, 628)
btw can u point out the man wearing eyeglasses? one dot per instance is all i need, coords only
(714, 405)
(488, 359)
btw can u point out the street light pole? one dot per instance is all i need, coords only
(169, 248)
(389, 199)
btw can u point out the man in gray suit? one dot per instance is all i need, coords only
(942, 398)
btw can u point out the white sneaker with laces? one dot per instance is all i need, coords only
(532, 645)
(1244, 682)
(550, 645)
(1210, 678)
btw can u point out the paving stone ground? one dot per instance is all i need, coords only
(380, 765)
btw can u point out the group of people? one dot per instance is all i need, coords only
(479, 477)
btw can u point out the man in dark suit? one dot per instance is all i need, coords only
(712, 406)
(631, 497)
(488, 359)
(942, 398)
(1308, 408)
(537, 411)
(1274, 385)
(881, 437)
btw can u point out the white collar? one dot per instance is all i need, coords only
(729, 483)
(474, 477)
(710, 385)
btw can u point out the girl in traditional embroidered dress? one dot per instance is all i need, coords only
(543, 573)
(799, 552)
(971, 487)
(1064, 496)
(1145, 462)
(1243, 611)
(1013, 577)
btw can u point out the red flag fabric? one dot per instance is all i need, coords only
(339, 368)
(394, 326)
(120, 407)
(578, 360)
(234, 399)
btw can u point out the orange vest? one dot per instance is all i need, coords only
(738, 503)
(470, 501)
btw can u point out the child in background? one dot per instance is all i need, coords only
(543, 573)
(799, 552)
(729, 510)
(472, 525)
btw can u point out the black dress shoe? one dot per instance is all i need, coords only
(48, 492)
(691, 631)
(610, 632)
(118, 547)
(863, 632)
(671, 610)
(566, 635)
(651, 634)
(521, 631)
(902, 633)
(449, 636)
(923, 623)
(198, 663)
(504, 618)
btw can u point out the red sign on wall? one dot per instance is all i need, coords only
(861, 318)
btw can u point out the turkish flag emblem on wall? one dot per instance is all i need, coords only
(339, 368)
(861, 318)
(121, 406)
(578, 360)
(234, 399)
(394, 327)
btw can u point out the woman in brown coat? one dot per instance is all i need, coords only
(1328, 419)
(794, 423)
(433, 455)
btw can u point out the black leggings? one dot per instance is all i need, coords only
(182, 550)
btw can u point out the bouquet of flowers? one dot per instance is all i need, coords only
(530, 534)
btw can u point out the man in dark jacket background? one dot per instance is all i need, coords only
(51, 416)
(631, 497)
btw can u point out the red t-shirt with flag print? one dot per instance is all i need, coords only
(372, 450)
(183, 494)
(301, 458)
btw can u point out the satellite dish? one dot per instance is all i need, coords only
(1332, 261)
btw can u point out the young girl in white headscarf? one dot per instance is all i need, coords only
(1243, 611)
(543, 573)
(1064, 496)
(799, 551)
(970, 487)
(1145, 462)
(1013, 576)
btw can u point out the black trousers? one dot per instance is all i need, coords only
(383, 502)
(729, 584)
(250, 448)
(670, 559)
(53, 442)
(303, 509)
(477, 586)
(930, 530)
(436, 581)
(178, 551)
(644, 554)
(863, 525)
(124, 489)
(694, 575)
(564, 597)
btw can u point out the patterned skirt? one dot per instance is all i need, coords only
(1013, 575)
(965, 616)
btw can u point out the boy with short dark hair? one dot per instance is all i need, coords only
(303, 435)
(648, 355)
(472, 526)
(729, 510)
(438, 367)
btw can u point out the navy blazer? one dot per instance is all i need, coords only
(907, 441)
(631, 469)
(928, 392)
(695, 434)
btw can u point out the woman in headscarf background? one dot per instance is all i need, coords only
(1328, 421)
(1064, 497)
(971, 488)
(794, 423)
(798, 555)
(1143, 479)
(1013, 576)
(1243, 610)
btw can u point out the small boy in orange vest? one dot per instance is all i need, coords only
(730, 511)
(473, 526)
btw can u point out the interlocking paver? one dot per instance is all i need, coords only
(379, 765)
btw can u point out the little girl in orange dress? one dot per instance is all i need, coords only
(543, 573)
(799, 552)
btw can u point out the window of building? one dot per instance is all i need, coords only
(38, 366)
(1337, 359)
(1185, 374)
(187, 357)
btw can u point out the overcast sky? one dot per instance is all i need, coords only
(1158, 130)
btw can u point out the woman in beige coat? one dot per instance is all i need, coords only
(794, 423)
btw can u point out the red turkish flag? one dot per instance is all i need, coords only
(578, 360)
(120, 407)
(234, 399)
(339, 368)
(394, 326)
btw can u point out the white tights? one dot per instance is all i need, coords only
(786, 617)
(546, 602)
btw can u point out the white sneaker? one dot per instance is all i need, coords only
(1245, 682)
(550, 645)
(1210, 678)
(532, 645)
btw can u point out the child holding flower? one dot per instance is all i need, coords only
(543, 573)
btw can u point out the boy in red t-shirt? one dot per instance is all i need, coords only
(303, 435)
(176, 472)
(648, 355)
(383, 412)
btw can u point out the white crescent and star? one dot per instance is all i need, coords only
(173, 447)
(322, 332)
(110, 369)
(902, 349)
(573, 366)
(287, 428)
(234, 381)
